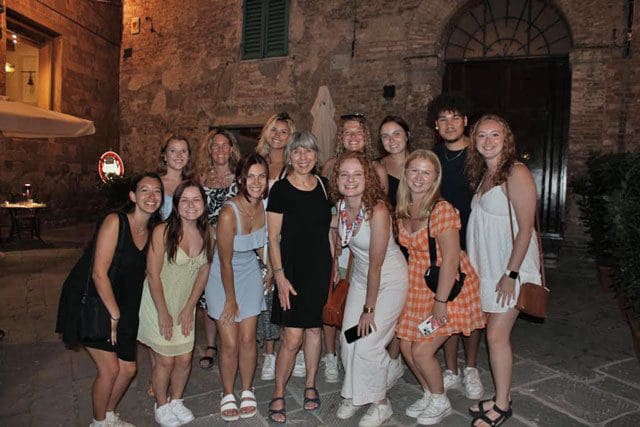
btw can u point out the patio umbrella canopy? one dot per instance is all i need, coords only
(18, 120)
(324, 127)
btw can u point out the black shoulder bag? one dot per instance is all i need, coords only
(433, 272)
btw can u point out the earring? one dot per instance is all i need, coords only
(437, 127)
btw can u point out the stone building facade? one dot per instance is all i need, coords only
(85, 42)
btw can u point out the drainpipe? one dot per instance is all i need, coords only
(626, 77)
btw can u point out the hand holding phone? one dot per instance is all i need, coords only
(429, 326)
(351, 334)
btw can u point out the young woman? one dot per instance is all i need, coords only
(275, 136)
(299, 214)
(377, 290)
(177, 270)
(235, 290)
(175, 167)
(502, 184)
(120, 290)
(220, 149)
(423, 214)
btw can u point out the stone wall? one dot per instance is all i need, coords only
(187, 74)
(62, 171)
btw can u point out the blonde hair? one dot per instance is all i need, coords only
(263, 145)
(206, 150)
(404, 193)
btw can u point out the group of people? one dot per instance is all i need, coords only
(252, 241)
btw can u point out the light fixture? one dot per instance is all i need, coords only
(30, 81)
(9, 68)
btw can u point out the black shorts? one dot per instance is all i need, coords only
(125, 347)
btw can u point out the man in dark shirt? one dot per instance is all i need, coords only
(450, 114)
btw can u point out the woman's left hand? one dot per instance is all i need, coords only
(505, 290)
(186, 320)
(439, 313)
(267, 282)
(367, 324)
(114, 330)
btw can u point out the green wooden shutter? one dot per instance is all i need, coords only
(277, 26)
(252, 29)
(265, 31)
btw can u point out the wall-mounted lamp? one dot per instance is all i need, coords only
(389, 92)
(30, 81)
(9, 68)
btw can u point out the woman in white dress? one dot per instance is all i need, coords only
(502, 263)
(377, 290)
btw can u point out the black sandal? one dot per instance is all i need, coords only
(502, 417)
(481, 409)
(282, 411)
(206, 362)
(315, 400)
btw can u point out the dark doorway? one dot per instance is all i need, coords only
(533, 96)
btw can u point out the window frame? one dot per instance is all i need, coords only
(273, 29)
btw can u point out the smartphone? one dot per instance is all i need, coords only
(429, 326)
(351, 334)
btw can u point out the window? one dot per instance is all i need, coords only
(265, 31)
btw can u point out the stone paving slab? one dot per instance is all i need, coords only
(629, 420)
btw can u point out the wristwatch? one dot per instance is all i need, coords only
(367, 309)
(511, 274)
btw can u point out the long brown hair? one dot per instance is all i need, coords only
(366, 129)
(373, 192)
(475, 165)
(162, 165)
(204, 163)
(173, 232)
(404, 193)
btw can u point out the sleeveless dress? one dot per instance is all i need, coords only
(247, 278)
(305, 251)
(216, 198)
(126, 283)
(464, 313)
(178, 279)
(366, 361)
(165, 209)
(489, 245)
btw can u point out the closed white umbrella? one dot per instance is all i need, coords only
(19, 120)
(324, 127)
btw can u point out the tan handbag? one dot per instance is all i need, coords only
(333, 310)
(533, 298)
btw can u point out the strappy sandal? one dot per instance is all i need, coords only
(206, 362)
(248, 400)
(228, 403)
(314, 400)
(481, 410)
(282, 411)
(502, 417)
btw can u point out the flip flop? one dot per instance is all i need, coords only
(282, 411)
(315, 400)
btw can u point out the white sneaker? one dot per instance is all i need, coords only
(300, 369)
(346, 409)
(377, 414)
(472, 385)
(268, 367)
(331, 373)
(96, 423)
(451, 380)
(438, 408)
(182, 413)
(165, 416)
(395, 372)
(113, 420)
(417, 407)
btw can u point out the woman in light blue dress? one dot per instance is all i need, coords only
(234, 291)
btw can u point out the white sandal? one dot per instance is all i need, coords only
(248, 400)
(228, 403)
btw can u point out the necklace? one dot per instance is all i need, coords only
(454, 157)
(245, 211)
(347, 229)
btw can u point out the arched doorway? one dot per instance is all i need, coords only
(511, 57)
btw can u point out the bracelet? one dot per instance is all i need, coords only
(114, 318)
(368, 310)
(440, 301)
(277, 269)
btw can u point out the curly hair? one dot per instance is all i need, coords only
(162, 164)
(373, 192)
(447, 102)
(368, 144)
(475, 165)
(263, 145)
(206, 150)
(404, 193)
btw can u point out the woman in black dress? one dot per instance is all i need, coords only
(299, 215)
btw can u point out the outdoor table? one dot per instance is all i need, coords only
(20, 212)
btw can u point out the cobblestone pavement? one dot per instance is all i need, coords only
(577, 368)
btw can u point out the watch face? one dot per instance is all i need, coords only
(513, 274)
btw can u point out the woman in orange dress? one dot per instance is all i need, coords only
(422, 213)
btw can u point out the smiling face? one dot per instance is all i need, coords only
(191, 204)
(148, 195)
(451, 125)
(351, 178)
(176, 154)
(256, 181)
(278, 135)
(353, 136)
(420, 174)
(303, 160)
(220, 149)
(394, 138)
(490, 139)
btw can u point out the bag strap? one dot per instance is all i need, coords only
(537, 231)
(324, 190)
(433, 254)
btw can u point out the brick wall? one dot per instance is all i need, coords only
(62, 171)
(188, 74)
